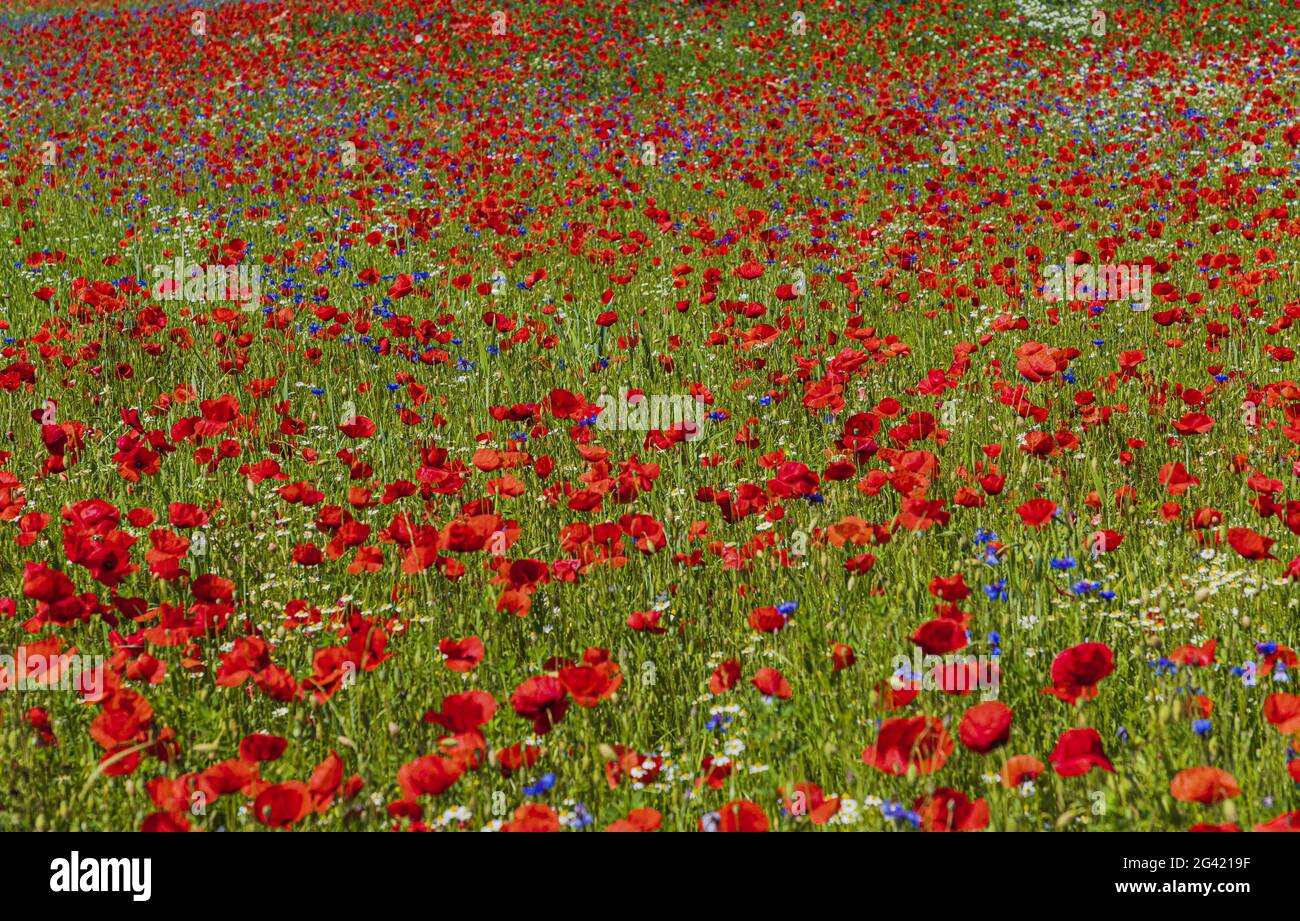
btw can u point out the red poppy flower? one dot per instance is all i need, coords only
(922, 514)
(894, 695)
(646, 621)
(902, 744)
(807, 799)
(1019, 768)
(590, 684)
(326, 780)
(952, 588)
(259, 747)
(1207, 785)
(401, 287)
(638, 820)
(1202, 656)
(1283, 711)
(1037, 512)
(950, 810)
(358, 427)
(940, 636)
(1250, 544)
(464, 712)
(533, 817)
(229, 776)
(282, 805)
(431, 774)
(1078, 751)
(725, 676)
(741, 816)
(985, 726)
(515, 757)
(462, 655)
(1037, 362)
(1287, 821)
(543, 700)
(766, 620)
(772, 683)
(1194, 424)
(1077, 670)
(165, 822)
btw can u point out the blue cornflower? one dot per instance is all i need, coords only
(544, 783)
(997, 591)
(787, 608)
(1164, 665)
(912, 818)
(1064, 562)
(892, 810)
(1202, 727)
(582, 817)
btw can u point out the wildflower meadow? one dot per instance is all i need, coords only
(534, 415)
